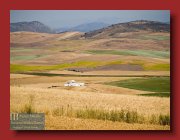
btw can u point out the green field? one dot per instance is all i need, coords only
(146, 53)
(159, 85)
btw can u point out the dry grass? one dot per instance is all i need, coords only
(58, 98)
(127, 116)
(66, 123)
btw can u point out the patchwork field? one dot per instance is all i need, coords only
(127, 80)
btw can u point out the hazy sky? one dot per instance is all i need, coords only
(69, 18)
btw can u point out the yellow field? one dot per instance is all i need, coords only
(33, 92)
(65, 123)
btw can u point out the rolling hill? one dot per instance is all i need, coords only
(116, 30)
(128, 46)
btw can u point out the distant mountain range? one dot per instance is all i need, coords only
(95, 29)
(36, 26)
(33, 26)
(87, 27)
(134, 26)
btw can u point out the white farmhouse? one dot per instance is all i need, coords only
(73, 83)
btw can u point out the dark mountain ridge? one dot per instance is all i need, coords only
(33, 26)
(133, 26)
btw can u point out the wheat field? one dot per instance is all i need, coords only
(30, 98)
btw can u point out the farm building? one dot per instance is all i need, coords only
(73, 83)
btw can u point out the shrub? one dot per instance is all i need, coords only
(164, 119)
(113, 115)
